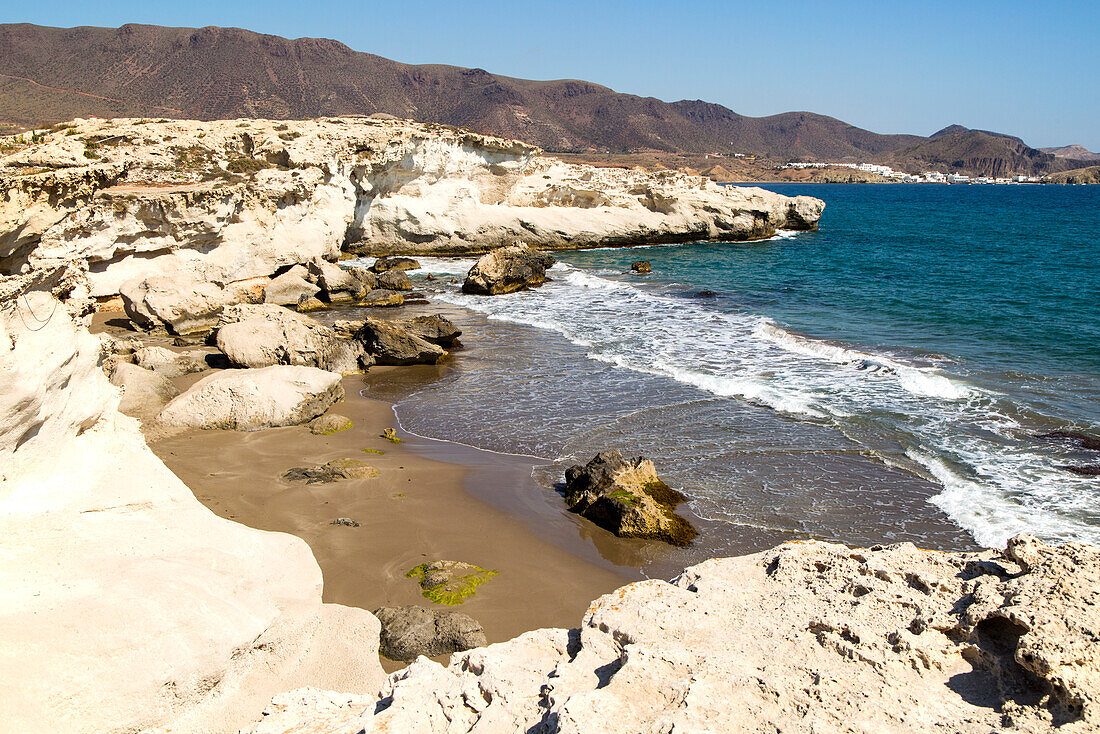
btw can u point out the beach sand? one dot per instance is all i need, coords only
(416, 510)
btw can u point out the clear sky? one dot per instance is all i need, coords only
(1027, 68)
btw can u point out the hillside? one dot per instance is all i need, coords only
(1088, 175)
(1073, 152)
(52, 75)
(974, 151)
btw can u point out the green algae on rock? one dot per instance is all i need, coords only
(330, 423)
(391, 435)
(627, 498)
(449, 582)
(334, 470)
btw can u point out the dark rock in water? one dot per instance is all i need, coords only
(307, 304)
(507, 269)
(395, 280)
(1078, 440)
(391, 343)
(331, 472)
(346, 522)
(641, 266)
(384, 264)
(411, 631)
(704, 294)
(1086, 470)
(430, 277)
(382, 298)
(435, 329)
(627, 498)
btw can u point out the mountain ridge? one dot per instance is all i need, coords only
(52, 75)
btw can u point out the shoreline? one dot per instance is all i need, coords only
(417, 510)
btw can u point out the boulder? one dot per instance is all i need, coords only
(329, 423)
(641, 267)
(144, 392)
(393, 344)
(333, 471)
(177, 304)
(435, 329)
(507, 269)
(383, 264)
(248, 400)
(165, 362)
(289, 288)
(336, 283)
(308, 304)
(262, 335)
(411, 631)
(627, 498)
(395, 280)
(382, 298)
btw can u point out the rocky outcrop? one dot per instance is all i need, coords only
(126, 605)
(642, 267)
(222, 203)
(411, 631)
(808, 636)
(506, 270)
(332, 471)
(175, 303)
(165, 362)
(434, 328)
(261, 335)
(144, 392)
(393, 344)
(627, 498)
(248, 400)
(290, 287)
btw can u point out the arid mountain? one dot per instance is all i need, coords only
(1088, 175)
(974, 151)
(50, 75)
(1073, 152)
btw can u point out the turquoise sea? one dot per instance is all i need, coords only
(895, 375)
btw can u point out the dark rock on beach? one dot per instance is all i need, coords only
(507, 269)
(395, 280)
(627, 498)
(435, 329)
(641, 267)
(333, 471)
(382, 298)
(411, 631)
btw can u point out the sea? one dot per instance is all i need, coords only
(924, 367)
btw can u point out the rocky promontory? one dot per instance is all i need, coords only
(807, 637)
(98, 207)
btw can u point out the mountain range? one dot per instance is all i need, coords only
(50, 75)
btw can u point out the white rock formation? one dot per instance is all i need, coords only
(248, 400)
(807, 637)
(261, 335)
(222, 202)
(124, 603)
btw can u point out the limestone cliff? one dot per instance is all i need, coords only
(807, 637)
(124, 603)
(227, 201)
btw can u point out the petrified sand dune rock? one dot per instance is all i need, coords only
(506, 270)
(124, 603)
(231, 200)
(144, 392)
(248, 400)
(805, 637)
(262, 335)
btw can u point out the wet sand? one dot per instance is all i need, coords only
(416, 510)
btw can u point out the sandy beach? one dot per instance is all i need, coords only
(416, 510)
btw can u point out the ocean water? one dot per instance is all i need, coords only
(888, 377)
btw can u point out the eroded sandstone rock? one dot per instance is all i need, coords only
(808, 636)
(393, 344)
(383, 264)
(144, 392)
(261, 335)
(248, 400)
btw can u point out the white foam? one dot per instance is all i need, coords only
(1005, 487)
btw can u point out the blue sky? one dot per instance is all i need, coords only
(1030, 69)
